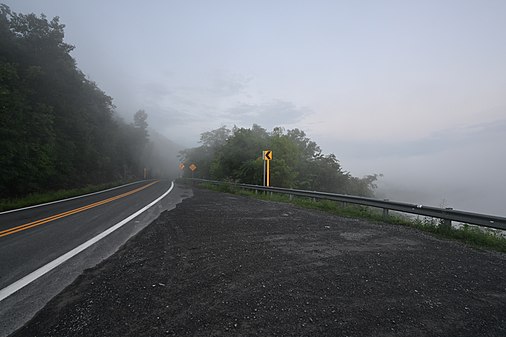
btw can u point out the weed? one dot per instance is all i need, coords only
(40, 198)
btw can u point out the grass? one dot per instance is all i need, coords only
(478, 237)
(40, 198)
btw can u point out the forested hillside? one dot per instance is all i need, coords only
(298, 162)
(57, 128)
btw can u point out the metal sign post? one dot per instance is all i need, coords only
(267, 156)
(181, 167)
(193, 167)
(263, 177)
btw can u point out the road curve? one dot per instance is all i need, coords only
(35, 237)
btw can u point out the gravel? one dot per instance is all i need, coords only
(225, 265)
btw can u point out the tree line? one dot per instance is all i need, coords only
(298, 162)
(57, 128)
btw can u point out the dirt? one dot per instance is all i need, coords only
(224, 265)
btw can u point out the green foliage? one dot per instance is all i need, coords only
(58, 130)
(472, 235)
(141, 125)
(39, 198)
(298, 162)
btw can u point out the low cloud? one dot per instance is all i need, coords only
(269, 114)
(461, 167)
(228, 85)
(156, 90)
(437, 142)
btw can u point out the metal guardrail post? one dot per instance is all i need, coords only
(446, 223)
(385, 210)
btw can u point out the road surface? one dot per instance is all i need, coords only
(32, 238)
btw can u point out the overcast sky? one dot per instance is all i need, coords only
(415, 90)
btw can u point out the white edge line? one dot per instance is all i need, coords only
(11, 289)
(71, 198)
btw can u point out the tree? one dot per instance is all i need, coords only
(140, 121)
(298, 161)
(57, 128)
(212, 140)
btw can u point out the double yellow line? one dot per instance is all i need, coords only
(73, 211)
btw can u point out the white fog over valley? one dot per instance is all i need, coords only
(412, 90)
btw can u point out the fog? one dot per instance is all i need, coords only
(415, 91)
(461, 168)
(163, 156)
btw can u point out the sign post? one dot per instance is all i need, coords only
(267, 156)
(193, 167)
(181, 167)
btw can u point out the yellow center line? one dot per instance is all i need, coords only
(67, 213)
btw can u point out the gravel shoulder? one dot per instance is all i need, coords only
(225, 265)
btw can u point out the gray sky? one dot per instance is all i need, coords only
(415, 90)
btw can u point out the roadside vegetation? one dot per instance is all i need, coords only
(298, 162)
(58, 129)
(478, 237)
(43, 197)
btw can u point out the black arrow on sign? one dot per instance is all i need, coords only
(268, 155)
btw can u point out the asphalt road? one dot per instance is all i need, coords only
(31, 238)
(225, 265)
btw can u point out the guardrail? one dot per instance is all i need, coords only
(446, 214)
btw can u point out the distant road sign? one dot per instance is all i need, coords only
(193, 167)
(181, 166)
(267, 155)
